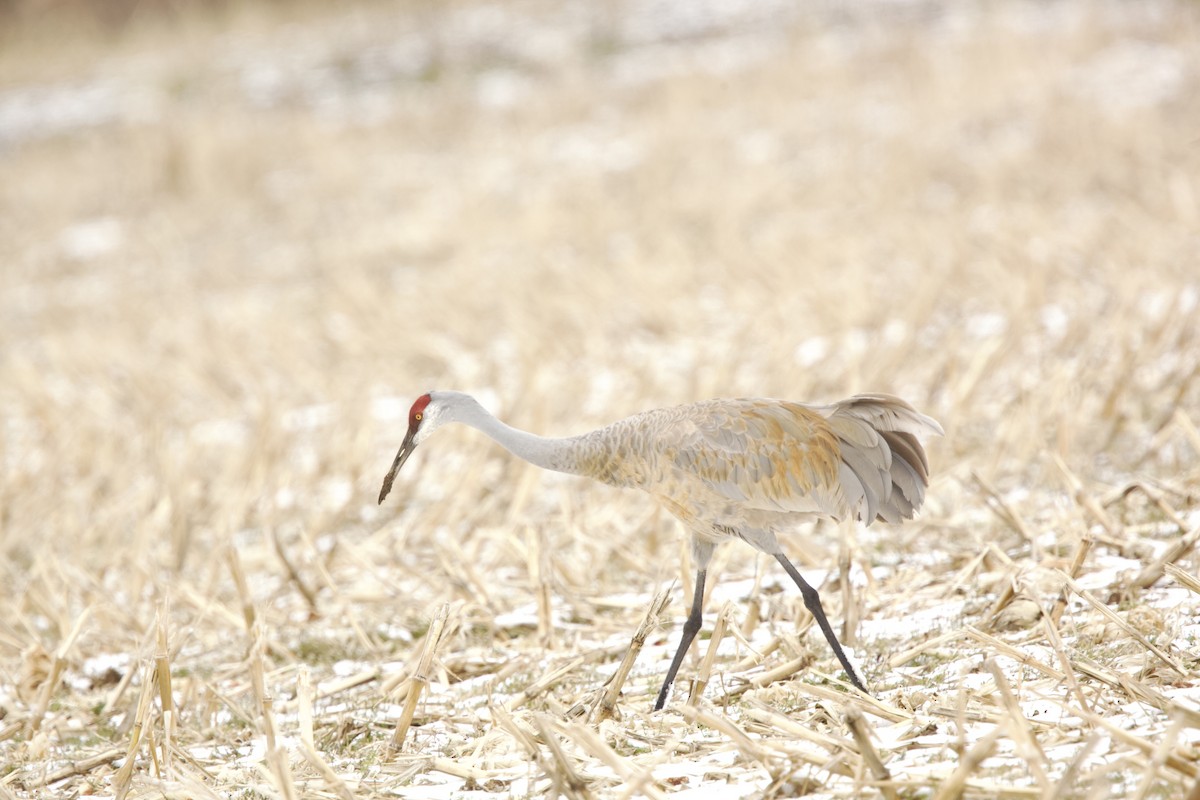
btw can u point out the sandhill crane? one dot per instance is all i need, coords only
(730, 469)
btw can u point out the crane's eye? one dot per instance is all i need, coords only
(417, 416)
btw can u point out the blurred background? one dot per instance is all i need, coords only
(238, 238)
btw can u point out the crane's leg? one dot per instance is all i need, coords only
(690, 628)
(701, 552)
(812, 601)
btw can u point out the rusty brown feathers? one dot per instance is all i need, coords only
(758, 463)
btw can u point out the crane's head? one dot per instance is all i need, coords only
(422, 419)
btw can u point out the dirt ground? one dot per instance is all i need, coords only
(235, 246)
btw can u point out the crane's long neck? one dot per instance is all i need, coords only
(558, 454)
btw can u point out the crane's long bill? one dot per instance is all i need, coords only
(406, 449)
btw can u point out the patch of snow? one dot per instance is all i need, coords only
(308, 418)
(526, 616)
(41, 111)
(390, 408)
(1131, 75)
(347, 667)
(499, 89)
(92, 238)
(1055, 321)
(220, 432)
(986, 325)
(912, 624)
(812, 351)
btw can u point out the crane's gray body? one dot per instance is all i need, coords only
(743, 468)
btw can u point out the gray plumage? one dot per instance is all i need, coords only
(743, 468)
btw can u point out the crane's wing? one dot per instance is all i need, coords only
(860, 456)
(759, 454)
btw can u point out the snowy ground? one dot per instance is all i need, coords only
(233, 249)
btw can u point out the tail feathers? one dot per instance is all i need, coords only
(885, 412)
(884, 470)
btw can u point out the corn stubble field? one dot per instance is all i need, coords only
(234, 249)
